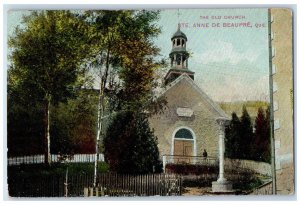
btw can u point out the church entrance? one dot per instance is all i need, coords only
(183, 146)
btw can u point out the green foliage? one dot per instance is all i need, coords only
(261, 146)
(46, 58)
(130, 145)
(242, 143)
(74, 124)
(191, 169)
(125, 49)
(232, 138)
(47, 54)
(48, 65)
(246, 135)
(24, 124)
(239, 136)
(55, 169)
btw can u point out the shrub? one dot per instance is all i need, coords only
(191, 169)
(130, 146)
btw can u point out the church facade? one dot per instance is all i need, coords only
(188, 125)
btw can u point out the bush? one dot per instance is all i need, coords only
(130, 146)
(191, 169)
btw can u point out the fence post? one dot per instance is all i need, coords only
(91, 191)
(66, 184)
(164, 163)
(86, 191)
(97, 191)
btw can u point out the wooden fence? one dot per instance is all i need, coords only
(38, 159)
(110, 184)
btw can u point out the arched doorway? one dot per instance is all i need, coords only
(183, 144)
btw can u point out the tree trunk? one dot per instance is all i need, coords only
(47, 157)
(101, 108)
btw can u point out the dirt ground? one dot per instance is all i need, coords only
(196, 191)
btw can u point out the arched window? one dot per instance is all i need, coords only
(183, 42)
(183, 134)
(178, 42)
(174, 42)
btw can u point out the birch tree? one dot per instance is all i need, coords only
(117, 36)
(46, 60)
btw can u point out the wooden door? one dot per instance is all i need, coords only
(183, 148)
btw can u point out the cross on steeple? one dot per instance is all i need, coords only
(178, 15)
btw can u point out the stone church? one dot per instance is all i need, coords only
(189, 124)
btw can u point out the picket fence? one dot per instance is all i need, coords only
(38, 159)
(110, 184)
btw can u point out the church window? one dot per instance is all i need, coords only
(178, 42)
(183, 134)
(178, 59)
(174, 42)
(183, 42)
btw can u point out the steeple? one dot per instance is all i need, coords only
(179, 57)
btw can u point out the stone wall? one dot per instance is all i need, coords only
(202, 122)
(258, 167)
(282, 45)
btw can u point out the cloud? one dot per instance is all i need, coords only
(220, 51)
(235, 89)
(226, 74)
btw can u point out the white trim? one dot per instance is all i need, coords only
(273, 52)
(275, 87)
(194, 139)
(273, 69)
(275, 107)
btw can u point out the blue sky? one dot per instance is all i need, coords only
(230, 64)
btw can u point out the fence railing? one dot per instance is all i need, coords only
(38, 159)
(180, 159)
(109, 184)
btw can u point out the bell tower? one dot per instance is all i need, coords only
(179, 57)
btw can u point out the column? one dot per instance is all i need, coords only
(221, 150)
(221, 185)
(181, 61)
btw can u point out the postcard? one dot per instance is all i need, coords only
(135, 103)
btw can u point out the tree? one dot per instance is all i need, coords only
(46, 60)
(242, 143)
(105, 36)
(121, 36)
(232, 137)
(24, 123)
(133, 53)
(261, 148)
(130, 145)
(73, 124)
(246, 135)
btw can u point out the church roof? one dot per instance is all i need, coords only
(179, 33)
(209, 101)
